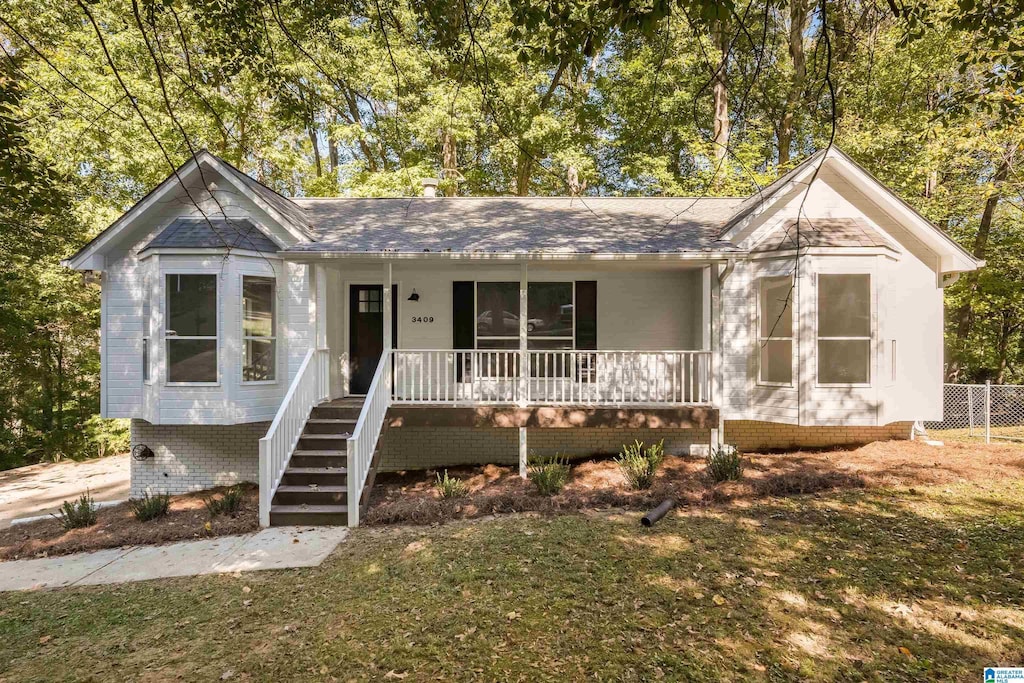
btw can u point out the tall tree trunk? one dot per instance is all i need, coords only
(449, 157)
(798, 11)
(964, 316)
(317, 161)
(524, 169)
(720, 92)
(332, 151)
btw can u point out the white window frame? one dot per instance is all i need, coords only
(476, 315)
(762, 339)
(871, 330)
(244, 338)
(167, 316)
(147, 332)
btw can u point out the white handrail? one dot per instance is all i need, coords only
(363, 441)
(556, 377)
(310, 387)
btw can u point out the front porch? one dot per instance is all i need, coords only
(603, 350)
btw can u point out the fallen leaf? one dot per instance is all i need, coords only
(230, 673)
(45, 639)
(395, 674)
(718, 600)
(906, 652)
(513, 615)
(246, 589)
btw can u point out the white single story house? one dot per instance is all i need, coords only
(308, 343)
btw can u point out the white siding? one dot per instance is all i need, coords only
(907, 306)
(123, 391)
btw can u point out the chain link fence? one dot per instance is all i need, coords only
(981, 411)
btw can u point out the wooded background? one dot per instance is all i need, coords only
(99, 100)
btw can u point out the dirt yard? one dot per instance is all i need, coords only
(116, 526)
(411, 497)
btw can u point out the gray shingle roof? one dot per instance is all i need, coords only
(824, 232)
(197, 233)
(518, 224)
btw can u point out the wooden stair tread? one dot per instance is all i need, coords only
(313, 509)
(331, 420)
(321, 453)
(316, 470)
(305, 488)
(307, 435)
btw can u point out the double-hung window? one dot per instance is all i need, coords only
(844, 329)
(497, 315)
(775, 330)
(191, 328)
(550, 327)
(259, 329)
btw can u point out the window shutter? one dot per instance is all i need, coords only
(463, 315)
(586, 315)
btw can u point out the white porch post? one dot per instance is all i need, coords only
(386, 308)
(524, 365)
(713, 338)
(319, 307)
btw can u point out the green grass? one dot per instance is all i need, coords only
(806, 588)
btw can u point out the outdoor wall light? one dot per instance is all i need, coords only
(414, 296)
(142, 452)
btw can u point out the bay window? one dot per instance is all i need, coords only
(775, 330)
(191, 328)
(259, 329)
(844, 329)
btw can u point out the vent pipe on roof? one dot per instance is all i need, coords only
(429, 187)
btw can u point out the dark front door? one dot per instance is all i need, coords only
(366, 332)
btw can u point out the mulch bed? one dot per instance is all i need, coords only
(116, 526)
(411, 498)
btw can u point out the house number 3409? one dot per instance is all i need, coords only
(423, 318)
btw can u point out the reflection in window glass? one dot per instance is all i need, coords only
(775, 339)
(550, 309)
(191, 331)
(259, 343)
(497, 309)
(844, 329)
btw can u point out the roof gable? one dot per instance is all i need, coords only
(952, 257)
(282, 211)
(822, 232)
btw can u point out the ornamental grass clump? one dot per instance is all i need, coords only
(724, 464)
(228, 504)
(150, 507)
(549, 475)
(639, 465)
(451, 487)
(77, 514)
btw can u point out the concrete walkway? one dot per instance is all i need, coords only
(40, 489)
(274, 548)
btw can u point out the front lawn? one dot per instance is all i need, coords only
(877, 584)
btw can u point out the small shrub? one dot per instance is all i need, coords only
(549, 474)
(228, 504)
(639, 464)
(724, 464)
(450, 487)
(150, 507)
(78, 513)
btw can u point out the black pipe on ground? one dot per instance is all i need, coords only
(657, 513)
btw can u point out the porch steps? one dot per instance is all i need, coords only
(314, 488)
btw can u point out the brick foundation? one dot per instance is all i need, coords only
(751, 436)
(195, 457)
(410, 448)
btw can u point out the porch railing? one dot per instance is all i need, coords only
(310, 387)
(363, 441)
(552, 377)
